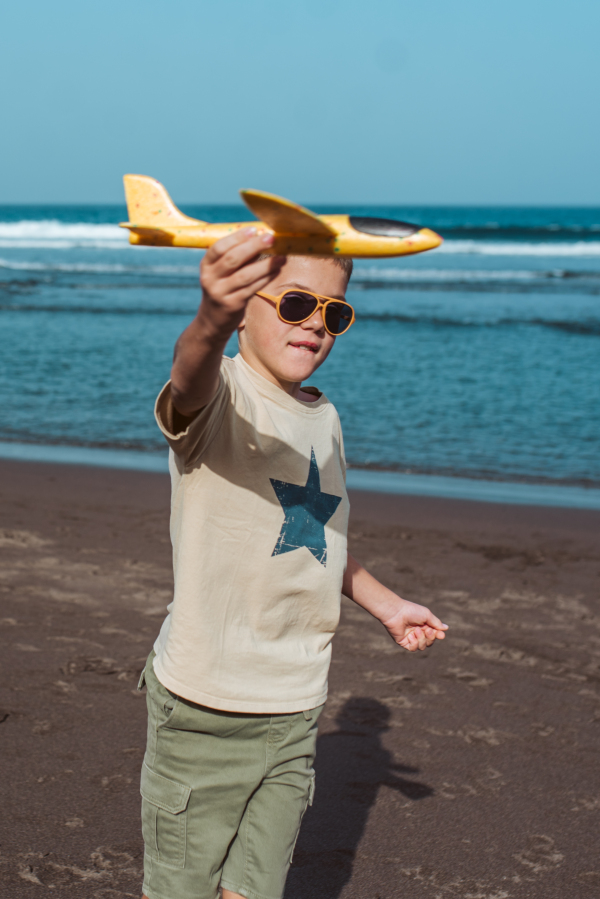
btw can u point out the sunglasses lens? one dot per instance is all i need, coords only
(296, 306)
(338, 317)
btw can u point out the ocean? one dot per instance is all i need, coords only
(479, 360)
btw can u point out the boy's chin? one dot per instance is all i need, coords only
(298, 367)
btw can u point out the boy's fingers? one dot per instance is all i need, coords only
(241, 253)
(423, 644)
(435, 622)
(417, 638)
(245, 293)
(221, 247)
(422, 637)
(433, 634)
(254, 272)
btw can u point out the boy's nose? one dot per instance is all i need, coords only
(315, 322)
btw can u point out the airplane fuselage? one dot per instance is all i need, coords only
(347, 241)
(155, 221)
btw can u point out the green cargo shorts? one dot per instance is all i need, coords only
(223, 796)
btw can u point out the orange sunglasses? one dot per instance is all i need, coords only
(296, 306)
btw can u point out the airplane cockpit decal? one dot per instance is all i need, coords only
(382, 227)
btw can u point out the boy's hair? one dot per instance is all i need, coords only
(343, 262)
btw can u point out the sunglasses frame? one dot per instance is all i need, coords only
(322, 303)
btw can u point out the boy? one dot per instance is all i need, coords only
(238, 675)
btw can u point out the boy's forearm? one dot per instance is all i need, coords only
(366, 591)
(196, 363)
(230, 275)
(410, 625)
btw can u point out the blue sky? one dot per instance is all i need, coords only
(448, 101)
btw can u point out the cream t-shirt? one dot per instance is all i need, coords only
(259, 515)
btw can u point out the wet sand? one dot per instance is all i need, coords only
(467, 771)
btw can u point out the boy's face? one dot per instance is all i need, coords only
(289, 354)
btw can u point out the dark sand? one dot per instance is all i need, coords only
(468, 771)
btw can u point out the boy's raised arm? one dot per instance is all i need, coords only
(410, 625)
(229, 274)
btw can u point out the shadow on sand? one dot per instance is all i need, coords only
(351, 766)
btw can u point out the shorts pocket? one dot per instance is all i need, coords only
(164, 817)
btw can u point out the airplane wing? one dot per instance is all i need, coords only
(283, 216)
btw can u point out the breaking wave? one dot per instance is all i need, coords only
(369, 275)
(99, 268)
(55, 235)
(517, 248)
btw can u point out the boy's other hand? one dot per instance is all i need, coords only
(230, 275)
(413, 626)
(410, 625)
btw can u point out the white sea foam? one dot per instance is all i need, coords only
(55, 235)
(61, 245)
(361, 273)
(439, 274)
(99, 268)
(513, 248)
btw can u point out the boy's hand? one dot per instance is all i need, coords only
(413, 626)
(229, 278)
(409, 625)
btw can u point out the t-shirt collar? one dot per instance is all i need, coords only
(275, 393)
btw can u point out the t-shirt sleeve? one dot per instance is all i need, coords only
(190, 443)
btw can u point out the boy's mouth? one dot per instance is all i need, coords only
(305, 345)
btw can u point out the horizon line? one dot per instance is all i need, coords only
(310, 204)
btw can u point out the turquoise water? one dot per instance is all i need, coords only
(479, 360)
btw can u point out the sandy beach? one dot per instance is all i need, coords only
(467, 771)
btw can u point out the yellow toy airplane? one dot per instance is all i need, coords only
(155, 221)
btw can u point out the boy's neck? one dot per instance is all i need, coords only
(292, 388)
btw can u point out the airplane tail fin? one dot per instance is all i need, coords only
(150, 206)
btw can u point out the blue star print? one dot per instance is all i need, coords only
(307, 511)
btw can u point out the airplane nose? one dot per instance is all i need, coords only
(433, 240)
